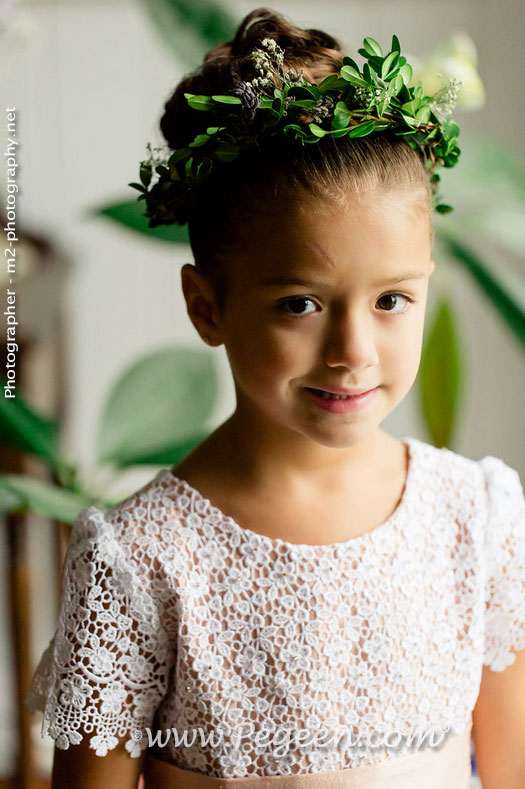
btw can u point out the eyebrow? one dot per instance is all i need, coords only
(287, 280)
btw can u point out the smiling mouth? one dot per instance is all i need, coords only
(330, 396)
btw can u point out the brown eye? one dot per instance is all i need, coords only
(392, 299)
(296, 303)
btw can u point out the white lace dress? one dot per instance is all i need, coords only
(177, 621)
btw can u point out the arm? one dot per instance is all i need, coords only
(107, 667)
(80, 768)
(498, 726)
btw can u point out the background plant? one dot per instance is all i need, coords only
(155, 413)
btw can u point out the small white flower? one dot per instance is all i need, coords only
(75, 692)
(112, 699)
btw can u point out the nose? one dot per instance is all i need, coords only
(350, 342)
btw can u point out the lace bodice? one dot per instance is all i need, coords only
(174, 617)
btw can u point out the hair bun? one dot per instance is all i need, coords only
(264, 23)
(313, 51)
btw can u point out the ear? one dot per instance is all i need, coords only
(200, 302)
(432, 267)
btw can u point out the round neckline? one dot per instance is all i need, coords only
(223, 519)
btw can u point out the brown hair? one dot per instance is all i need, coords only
(284, 172)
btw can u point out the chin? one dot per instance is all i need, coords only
(345, 436)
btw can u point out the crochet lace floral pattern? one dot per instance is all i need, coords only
(505, 569)
(175, 617)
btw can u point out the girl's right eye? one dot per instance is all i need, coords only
(297, 300)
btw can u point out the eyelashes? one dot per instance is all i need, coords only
(282, 305)
(403, 296)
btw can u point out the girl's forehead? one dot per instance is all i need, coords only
(320, 219)
(335, 241)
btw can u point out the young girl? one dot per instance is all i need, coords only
(303, 595)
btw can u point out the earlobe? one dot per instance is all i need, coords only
(432, 267)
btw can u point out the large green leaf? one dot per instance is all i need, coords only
(23, 428)
(172, 454)
(488, 168)
(487, 191)
(440, 375)
(9, 500)
(132, 216)
(40, 497)
(161, 401)
(500, 223)
(505, 290)
(188, 29)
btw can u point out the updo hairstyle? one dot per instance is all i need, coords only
(281, 176)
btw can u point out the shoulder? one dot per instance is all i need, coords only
(449, 475)
(442, 459)
(140, 548)
(489, 471)
(505, 505)
(151, 513)
(487, 487)
(502, 482)
(147, 534)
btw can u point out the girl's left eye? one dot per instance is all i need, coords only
(301, 299)
(396, 296)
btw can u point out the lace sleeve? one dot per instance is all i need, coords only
(505, 564)
(107, 666)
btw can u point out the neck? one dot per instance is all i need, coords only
(280, 458)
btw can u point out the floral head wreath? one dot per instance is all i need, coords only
(352, 103)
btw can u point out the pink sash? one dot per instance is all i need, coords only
(443, 767)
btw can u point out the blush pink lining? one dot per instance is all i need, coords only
(445, 767)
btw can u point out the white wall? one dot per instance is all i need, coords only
(89, 90)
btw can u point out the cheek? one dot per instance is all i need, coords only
(403, 353)
(263, 359)
(402, 344)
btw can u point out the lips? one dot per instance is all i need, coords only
(340, 391)
(340, 404)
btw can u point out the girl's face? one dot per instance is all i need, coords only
(330, 298)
